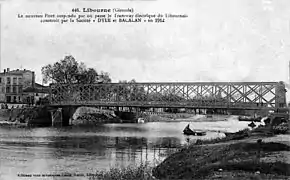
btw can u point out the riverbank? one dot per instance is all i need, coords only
(238, 160)
(40, 116)
(255, 156)
(184, 117)
(26, 116)
(93, 116)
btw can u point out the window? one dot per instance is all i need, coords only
(14, 89)
(8, 89)
(15, 80)
(8, 99)
(19, 80)
(8, 80)
(19, 89)
(0, 80)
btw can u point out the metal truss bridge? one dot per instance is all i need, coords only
(195, 95)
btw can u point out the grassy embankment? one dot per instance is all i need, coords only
(240, 160)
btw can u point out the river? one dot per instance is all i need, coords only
(39, 151)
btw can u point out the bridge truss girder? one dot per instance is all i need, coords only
(245, 95)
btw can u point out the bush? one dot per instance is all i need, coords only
(141, 172)
(281, 128)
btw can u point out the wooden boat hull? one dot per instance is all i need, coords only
(229, 134)
(194, 133)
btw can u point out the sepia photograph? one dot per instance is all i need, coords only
(144, 89)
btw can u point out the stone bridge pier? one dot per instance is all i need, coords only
(62, 116)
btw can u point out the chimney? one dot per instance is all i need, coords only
(8, 69)
(4, 71)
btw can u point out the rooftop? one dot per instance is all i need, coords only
(38, 88)
(14, 72)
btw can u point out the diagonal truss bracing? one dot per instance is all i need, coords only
(196, 95)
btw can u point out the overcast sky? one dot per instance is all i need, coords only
(221, 40)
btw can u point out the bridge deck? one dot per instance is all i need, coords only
(159, 105)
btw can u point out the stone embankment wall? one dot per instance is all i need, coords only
(127, 117)
(93, 116)
(90, 116)
(5, 114)
(39, 116)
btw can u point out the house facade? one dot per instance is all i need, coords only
(12, 83)
(35, 95)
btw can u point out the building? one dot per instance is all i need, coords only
(36, 94)
(12, 84)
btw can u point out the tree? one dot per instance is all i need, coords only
(64, 71)
(87, 76)
(130, 91)
(69, 71)
(104, 77)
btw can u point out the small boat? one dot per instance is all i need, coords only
(188, 131)
(229, 134)
(209, 116)
(141, 120)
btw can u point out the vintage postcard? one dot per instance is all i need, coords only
(144, 89)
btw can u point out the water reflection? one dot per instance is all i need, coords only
(84, 150)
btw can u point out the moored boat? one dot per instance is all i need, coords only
(141, 120)
(188, 131)
(209, 116)
(229, 134)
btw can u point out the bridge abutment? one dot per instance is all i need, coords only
(62, 116)
(56, 117)
(68, 113)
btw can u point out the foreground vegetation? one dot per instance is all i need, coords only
(141, 172)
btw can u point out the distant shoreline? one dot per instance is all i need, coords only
(186, 118)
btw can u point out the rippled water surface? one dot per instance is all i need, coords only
(85, 150)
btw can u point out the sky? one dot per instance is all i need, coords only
(221, 40)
